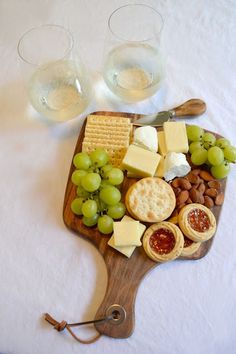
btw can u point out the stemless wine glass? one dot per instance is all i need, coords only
(133, 64)
(57, 84)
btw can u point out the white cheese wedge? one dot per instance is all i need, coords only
(141, 162)
(127, 250)
(176, 137)
(175, 165)
(146, 137)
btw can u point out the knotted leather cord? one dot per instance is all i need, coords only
(60, 326)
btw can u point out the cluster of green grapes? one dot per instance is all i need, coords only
(206, 149)
(98, 195)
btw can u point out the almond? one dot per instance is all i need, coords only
(175, 183)
(196, 171)
(219, 199)
(201, 188)
(189, 201)
(181, 206)
(195, 195)
(184, 184)
(208, 202)
(211, 192)
(192, 178)
(182, 197)
(214, 184)
(206, 176)
(177, 191)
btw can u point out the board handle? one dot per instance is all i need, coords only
(193, 107)
(124, 277)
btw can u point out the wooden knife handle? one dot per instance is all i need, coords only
(193, 107)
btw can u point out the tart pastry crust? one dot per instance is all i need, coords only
(190, 249)
(197, 222)
(178, 242)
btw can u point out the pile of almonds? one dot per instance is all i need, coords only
(198, 186)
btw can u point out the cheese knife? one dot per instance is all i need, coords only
(191, 108)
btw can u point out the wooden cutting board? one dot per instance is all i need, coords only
(124, 274)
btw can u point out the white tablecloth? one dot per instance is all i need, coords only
(181, 307)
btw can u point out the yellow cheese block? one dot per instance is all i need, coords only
(127, 250)
(162, 143)
(126, 233)
(160, 168)
(141, 162)
(176, 137)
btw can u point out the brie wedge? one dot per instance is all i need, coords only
(175, 165)
(146, 137)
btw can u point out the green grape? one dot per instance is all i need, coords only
(194, 133)
(76, 206)
(194, 145)
(110, 195)
(199, 156)
(104, 170)
(100, 204)
(90, 221)
(99, 157)
(104, 183)
(230, 153)
(91, 181)
(89, 208)
(215, 156)
(220, 171)
(116, 211)
(81, 192)
(77, 175)
(105, 224)
(115, 176)
(208, 140)
(222, 143)
(82, 161)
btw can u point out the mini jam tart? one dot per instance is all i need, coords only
(197, 222)
(190, 247)
(163, 241)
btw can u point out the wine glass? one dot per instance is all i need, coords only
(133, 65)
(57, 84)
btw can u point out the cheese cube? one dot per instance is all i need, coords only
(146, 137)
(127, 250)
(161, 143)
(126, 233)
(160, 168)
(140, 161)
(176, 137)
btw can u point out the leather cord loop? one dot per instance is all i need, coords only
(60, 326)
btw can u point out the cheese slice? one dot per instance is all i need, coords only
(146, 137)
(140, 161)
(126, 233)
(160, 168)
(161, 143)
(176, 137)
(175, 165)
(127, 250)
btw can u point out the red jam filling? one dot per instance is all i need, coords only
(199, 220)
(187, 242)
(162, 241)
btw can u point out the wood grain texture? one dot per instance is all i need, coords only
(124, 275)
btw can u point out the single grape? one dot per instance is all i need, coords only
(194, 133)
(104, 183)
(91, 181)
(90, 221)
(220, 171)
(104, 170)
(76, 205)
(199, 156)
(100, 204)
(215, 156)
(230, 153)
(222, 143)
(208, 140)
(116, 211)
(115, 176)
(77, 175)
(194, 145)
(110, 195)
(89, 208)
(81, 192)
(82, 161)
(99, 157)
(105, 224)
